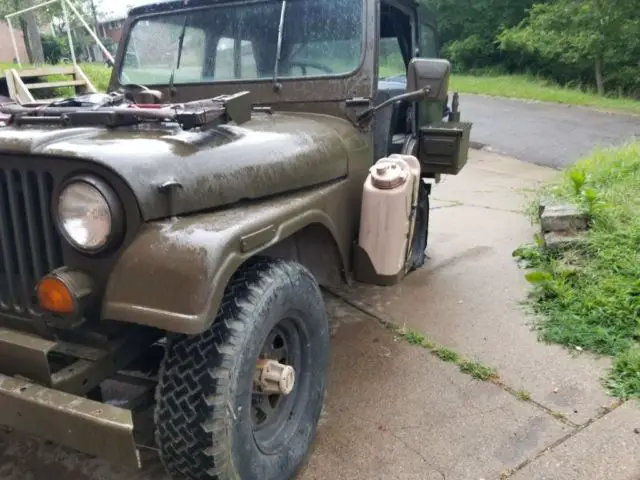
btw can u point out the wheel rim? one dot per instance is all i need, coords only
(275, 418)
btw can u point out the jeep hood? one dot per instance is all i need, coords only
(270, 154)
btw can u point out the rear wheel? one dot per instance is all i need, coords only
(242, 400)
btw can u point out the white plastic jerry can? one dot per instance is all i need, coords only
(388, 213)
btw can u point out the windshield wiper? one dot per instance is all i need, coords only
(277, 86)
(177, 65)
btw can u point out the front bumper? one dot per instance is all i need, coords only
(45, 398)
(87, 426)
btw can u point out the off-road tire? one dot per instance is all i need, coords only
(203, 415)
(417, 255)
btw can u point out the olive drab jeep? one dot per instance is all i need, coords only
(163, 244)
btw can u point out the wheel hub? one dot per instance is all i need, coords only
(273, 378)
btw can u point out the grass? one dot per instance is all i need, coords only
(530, 88)
(587, 296)
(475, 369)
(514, 86)
(527, 87)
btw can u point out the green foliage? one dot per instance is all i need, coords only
(625, 379)
(588, 296)
(98, 74)
(562, 40)
(599, 36)
(54, 48)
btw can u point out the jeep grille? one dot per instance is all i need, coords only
(29, 242)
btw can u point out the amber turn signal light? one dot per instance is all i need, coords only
(54, 296)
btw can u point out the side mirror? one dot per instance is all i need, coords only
(431, 74)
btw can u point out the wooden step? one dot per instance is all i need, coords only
(46, 71)
(62, 83)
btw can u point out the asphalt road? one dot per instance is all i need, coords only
(541, 133)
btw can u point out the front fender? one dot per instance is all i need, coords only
(173, 276)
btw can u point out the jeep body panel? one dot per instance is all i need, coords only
(175, 272)
(269, 155)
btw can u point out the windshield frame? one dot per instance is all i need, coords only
(164, 11)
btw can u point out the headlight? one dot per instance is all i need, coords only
(87, 214)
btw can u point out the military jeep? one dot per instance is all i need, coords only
(162, 245)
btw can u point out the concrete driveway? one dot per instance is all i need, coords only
(544, 133)
(397, 412)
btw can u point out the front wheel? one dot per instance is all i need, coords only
(242, 400)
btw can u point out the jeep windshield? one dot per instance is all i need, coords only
(239, 42)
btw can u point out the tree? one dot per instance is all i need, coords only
(29, 21)
(29, 24)
(468, 28)
(597, 35)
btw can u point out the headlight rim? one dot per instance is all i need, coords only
(114, 205)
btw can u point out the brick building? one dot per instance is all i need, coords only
(111, 28)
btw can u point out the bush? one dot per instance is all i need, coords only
(54, 48)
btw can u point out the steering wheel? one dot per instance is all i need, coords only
(304, 64)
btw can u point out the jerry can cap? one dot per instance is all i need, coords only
(387, 174)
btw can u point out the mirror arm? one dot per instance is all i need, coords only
(415, 95)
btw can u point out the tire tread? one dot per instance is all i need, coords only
(194, 378)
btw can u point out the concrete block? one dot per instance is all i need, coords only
(560, 240)
(563, 218)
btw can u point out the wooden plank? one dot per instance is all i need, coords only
(13, 94)
(89, 88)
(22, 94)
(62, 83)
(46, 71)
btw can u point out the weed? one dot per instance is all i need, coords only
(413, 338)
(475, 369)
(523, 395)
(446, 354)
(624, 381)
(478, 370)
(587, 296)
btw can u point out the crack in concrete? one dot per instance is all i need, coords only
(390, 324)
(457, 203)
(447, 206)
(404, 442)
(475, 205)
(562, 440)
(541, 406)
(575, 428)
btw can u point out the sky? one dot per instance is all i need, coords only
(118, 8)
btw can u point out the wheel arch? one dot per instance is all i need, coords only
(175, 273)
(315, 247)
